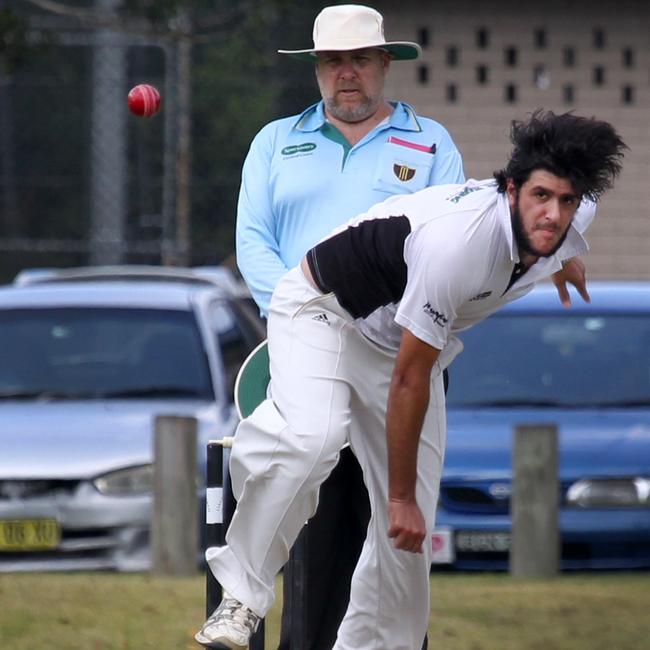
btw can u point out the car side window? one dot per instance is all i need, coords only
(238, 330)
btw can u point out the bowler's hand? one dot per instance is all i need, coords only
(573, 272)
(407, 525)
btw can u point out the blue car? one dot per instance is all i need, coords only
(585, 369)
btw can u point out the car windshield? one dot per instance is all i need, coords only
(85, 353)
(548, 361)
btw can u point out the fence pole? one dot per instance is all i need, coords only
(296, 572)
(535, 548)
(214, 517)
(175, 523)
(220, 507)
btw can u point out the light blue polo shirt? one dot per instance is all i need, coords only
(301, 179)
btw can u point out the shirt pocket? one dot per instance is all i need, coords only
(400, 170)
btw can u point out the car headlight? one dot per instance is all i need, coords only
(131, 481)
(633, 492)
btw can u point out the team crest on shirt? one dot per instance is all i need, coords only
(403, 172)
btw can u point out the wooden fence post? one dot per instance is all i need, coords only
(535, 547)
(175, 517)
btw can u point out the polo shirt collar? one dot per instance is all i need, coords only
(311, 119)
(403, 118)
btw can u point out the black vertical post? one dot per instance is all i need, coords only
(220, 506)
(299, 591)
(214, 524)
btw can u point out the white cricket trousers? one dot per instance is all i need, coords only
(329, 386)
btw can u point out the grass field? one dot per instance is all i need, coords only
(100, 611)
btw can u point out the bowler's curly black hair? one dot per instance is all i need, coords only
(583, 150)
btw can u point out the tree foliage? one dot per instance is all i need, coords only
(240, 84)
(13, 42)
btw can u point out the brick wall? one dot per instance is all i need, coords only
(487, 62)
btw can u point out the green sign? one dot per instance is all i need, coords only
(298, 148)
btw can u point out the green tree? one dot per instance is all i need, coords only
(240, 84)
(13, 43)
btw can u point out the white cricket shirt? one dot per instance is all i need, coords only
(434, 262)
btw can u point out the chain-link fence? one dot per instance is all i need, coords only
(83, 181)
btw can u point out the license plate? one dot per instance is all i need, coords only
(29, 535)
(482, 542)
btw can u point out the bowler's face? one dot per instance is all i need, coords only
(352, 82)
(542, 210)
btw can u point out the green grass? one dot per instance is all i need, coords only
(102, 611)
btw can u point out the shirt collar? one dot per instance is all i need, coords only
(403, 118)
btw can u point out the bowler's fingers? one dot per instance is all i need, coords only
(574, 272)
(563, 292)
(581, 287)
(406, 526)
(406, 540)
(577, 276)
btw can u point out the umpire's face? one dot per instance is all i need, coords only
(542, 210)
(352, 82)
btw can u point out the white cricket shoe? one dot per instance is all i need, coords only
(230, 627)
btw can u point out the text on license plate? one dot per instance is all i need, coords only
(482, 542)
(29, 534)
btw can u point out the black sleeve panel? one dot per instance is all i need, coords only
(363, 265)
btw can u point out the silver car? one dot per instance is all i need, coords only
(88, 359)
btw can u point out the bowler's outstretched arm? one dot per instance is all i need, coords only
(407, 404)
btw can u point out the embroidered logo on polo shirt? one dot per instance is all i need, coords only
(464, 192)
(304, 148)
(436, 316)
(403, 172)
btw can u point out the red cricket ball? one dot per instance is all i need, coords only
(144, 100)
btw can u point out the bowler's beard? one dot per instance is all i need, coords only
(523, 241)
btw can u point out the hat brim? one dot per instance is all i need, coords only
(399, 50)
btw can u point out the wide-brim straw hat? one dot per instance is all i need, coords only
(353, 27)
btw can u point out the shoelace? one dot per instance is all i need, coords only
(238, 615)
